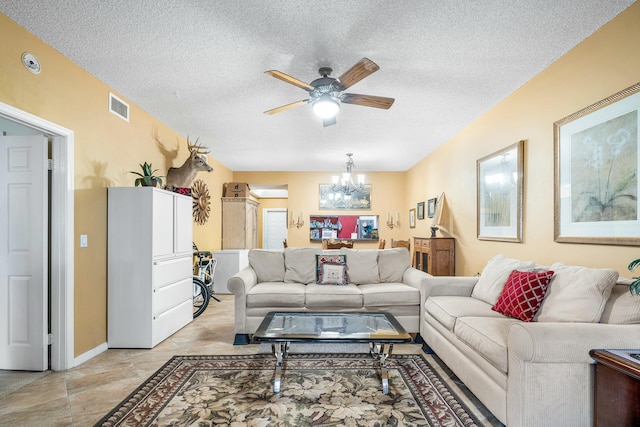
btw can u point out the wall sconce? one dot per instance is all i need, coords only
(390, 222)
(297, 222)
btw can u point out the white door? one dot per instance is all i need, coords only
(23, 253)
(274, 228)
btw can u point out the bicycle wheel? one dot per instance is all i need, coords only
(200, 297)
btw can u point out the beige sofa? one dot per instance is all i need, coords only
(536, 373)
(377, 280)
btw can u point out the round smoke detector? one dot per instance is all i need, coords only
(31, 63)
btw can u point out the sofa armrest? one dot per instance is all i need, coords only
(239, 284)
(551, 342)
(447, 285)
(414, 277)
(551, 375)
(242, 281)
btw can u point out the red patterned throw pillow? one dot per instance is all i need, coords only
(523, 294)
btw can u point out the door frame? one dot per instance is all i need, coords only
(62, 232)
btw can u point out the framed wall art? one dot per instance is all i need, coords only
(431, 207)
(596, 172)
(499, 196)
(412, 218)
(337, 200)
(420, 211)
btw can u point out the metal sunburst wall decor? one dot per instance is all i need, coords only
(201, 201)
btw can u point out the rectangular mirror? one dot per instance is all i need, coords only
(343, 227)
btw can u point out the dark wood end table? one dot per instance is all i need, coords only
(617, 388)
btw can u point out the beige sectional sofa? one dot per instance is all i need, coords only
(377, 280)
(535, 373)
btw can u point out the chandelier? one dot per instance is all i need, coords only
(346, 185)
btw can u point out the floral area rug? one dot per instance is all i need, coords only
(317, 390)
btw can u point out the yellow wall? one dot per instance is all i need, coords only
(106, 148)
(387, 195)
(604, 64)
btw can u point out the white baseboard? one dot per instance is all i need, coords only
(90, 354)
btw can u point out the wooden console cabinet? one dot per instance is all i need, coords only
(239, 223)
(435, 255)
(617, 388)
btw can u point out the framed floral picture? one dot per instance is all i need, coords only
(420, 211)
(500, 177)
(412, 218)
(596, 172)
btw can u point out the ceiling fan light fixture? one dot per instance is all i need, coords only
(325, 106)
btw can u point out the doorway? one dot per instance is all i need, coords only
(62, 233)
(274, 228)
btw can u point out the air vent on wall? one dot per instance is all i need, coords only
(118, 107)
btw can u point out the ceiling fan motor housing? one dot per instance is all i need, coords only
(324, 85)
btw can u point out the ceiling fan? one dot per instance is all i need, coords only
(326, 92)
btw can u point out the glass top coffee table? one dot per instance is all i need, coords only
(381, 330)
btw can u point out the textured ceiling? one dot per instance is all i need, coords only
(198, 66)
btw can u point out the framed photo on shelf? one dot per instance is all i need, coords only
(596, 166)
(420, 210)
(412, 218)
(499, 198)
(431, 207)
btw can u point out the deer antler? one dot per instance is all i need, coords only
(198, 148)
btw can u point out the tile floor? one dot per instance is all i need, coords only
(84, 394)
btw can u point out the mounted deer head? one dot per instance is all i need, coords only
(183, 176)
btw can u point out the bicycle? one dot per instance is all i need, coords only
(203, 272)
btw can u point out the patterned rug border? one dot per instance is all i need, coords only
(465, 414)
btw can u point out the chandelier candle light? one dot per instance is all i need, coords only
(346, 185)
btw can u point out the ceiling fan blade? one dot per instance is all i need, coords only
(329, 122)
(362, 69)
(288, 79)
(367, 100)
(286, 107)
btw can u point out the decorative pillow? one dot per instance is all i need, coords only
(328, 259)
(577, 294)
(332, 274)
(300, 265)
(268, 265)
(495, 275)
(392, 264)
(522, 294)
(363, 265)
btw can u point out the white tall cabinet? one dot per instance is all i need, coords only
(150, 287)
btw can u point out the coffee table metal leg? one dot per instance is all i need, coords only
(377, 351)
(280, 350)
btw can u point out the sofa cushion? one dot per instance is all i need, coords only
(523, 294)
(363, 265)
(385, 294)
(332, 297)
(576, 294)
(495, 275)
(446, 309)
(392, 264)
(300, 265)
(268, 265)
(276, 294)
(488, 336)
(622, 308)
